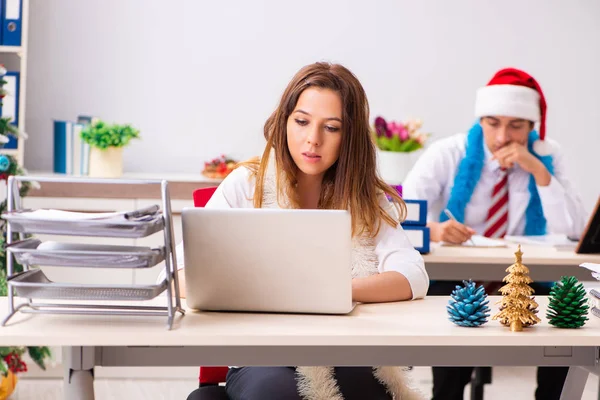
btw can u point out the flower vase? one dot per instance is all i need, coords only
(393, 166)
(106, 163)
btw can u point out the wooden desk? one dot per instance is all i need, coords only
(544, 263)
(409, 333)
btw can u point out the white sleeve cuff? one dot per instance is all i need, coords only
(412, 268)
(551, 194)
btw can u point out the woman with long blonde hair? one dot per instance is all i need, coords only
(320, 155)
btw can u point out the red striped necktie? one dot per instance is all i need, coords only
(496, 225)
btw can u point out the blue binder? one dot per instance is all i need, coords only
(62, 147)
(418, 237)
(69, 150)
(416, 212)
(10, 103)
(1, 18)
(12, 12)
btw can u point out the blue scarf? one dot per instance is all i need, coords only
(469, 172)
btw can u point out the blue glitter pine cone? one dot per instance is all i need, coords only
(4, 163)
(468, 305)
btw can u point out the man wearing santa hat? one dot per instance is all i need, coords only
(501, 178)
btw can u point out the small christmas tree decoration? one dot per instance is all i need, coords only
(468, 305)
(517, 308)
(568, 304)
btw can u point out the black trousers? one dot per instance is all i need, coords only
(279, 383)
(449, 382)
(208, 393)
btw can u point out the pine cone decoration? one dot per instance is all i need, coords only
(469, 305)
(568, 304)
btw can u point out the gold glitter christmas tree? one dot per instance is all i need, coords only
(517, 308)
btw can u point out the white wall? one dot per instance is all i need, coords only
(200, 77)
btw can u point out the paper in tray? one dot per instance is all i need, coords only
(34, 252)
(62, 215)
(34, 284)
(134, 224)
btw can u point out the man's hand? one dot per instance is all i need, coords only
(515, 153)
(450, 232)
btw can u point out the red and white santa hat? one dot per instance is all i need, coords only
(514, 93)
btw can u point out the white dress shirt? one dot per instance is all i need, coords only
(432, 178)
(393, 249)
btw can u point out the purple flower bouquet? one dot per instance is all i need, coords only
(402, 137)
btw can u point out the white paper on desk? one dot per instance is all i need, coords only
(479, 241)
(559, 241)
(595, 268)
(60, 215)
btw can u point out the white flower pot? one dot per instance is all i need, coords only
(394, 166)
(106, 163)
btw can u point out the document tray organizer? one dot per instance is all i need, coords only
(22, 222)
(33, 252)
(32, 283)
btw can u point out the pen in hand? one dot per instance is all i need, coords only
(449, 215)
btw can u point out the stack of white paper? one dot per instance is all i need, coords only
(60, 215)
(595, 268)
(479, 241)
(558, 241)
(143, 214)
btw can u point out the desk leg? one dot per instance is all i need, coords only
(574, 384)
(79, 373)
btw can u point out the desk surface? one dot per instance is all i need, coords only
(181, 187)
(171, 177)
(417, 323)
(532, 255)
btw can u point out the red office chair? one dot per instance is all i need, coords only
(209, 377)
(203, 195)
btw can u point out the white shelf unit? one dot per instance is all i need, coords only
(7, 55)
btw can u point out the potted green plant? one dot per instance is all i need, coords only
(398, 146)
(106, 143)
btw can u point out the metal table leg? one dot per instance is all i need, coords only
(79, 373)
(574, 384)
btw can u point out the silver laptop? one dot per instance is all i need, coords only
(268, 260)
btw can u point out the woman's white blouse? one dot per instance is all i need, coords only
(393, 249)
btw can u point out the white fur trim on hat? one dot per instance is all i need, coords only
(508, 101)
(542, 147)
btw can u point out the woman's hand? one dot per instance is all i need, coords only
(181, 275)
